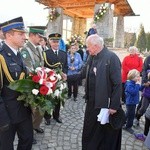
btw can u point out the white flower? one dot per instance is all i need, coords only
(59, 77)
(65, 85)
(49, 84)
(35, 91)
(50, 91)
(47, 70)
(41, 81)
(38, 69)
(61, 87)
(52, 78)
(56, 93)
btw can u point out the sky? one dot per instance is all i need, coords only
(34, 13)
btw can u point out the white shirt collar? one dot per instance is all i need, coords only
(14, 50)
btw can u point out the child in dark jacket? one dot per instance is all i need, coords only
(132, 87)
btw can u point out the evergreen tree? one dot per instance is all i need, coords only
(141, 40)
(148, 41)
(129, 39)
(133, 39)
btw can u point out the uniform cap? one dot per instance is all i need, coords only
(14, 24)
(55, 36)
(37, 30)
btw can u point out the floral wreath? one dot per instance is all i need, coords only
(100, 13)
(53, 14)
(76, 39)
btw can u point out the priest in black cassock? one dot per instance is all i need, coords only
(103, 92)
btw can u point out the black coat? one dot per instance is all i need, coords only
(108, 79)
(17, 112)
(53, 59)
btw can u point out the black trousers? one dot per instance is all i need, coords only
(24, 131)
(137, 115)
(72, 88)
(56, 112)
(123, 93)
(146, 126)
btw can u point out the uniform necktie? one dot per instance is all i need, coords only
(18, 54)
(55, 53)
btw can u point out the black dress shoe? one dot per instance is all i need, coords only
(34, 141)
(58, 120)
(47, 121)
(39, 130)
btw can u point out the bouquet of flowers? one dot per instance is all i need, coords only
(100, 13)
(41, 89)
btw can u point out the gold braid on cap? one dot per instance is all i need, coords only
(5, 69)
(56, 65)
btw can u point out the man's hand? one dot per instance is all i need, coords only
(112, 111)
(64, 76)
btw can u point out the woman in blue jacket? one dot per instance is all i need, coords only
(74, 66)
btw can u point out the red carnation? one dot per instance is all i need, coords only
(36, 78)
(44, 90)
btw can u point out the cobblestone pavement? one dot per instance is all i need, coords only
(67, 136)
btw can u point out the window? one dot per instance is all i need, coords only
(67, 27)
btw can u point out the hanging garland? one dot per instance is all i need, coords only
(53, 14)
(100, 13)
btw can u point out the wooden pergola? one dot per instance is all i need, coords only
(85, 8)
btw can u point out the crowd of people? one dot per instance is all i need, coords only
(109, 83)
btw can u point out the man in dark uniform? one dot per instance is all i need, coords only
(54, 58)
(13, 68)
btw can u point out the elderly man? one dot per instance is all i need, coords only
(103, 91)
(12, 68)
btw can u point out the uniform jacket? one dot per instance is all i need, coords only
(53, 59)
(32, 56)
(132, 92)
(108, 79)
(16, 109)
(131, 62)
